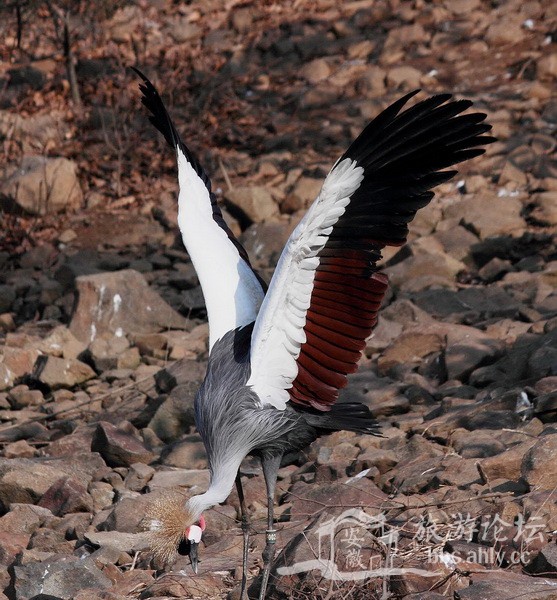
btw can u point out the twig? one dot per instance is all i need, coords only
(225, 175)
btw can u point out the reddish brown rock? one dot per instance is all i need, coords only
(336, 496)
(539, 465)
(410, 347)
(67, 495)
(61, 372)
(19, 449)
(118, 447)
(255, 202)
(44, 185)
(21, 396)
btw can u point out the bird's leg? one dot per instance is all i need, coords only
(271, 466)
(245, 530)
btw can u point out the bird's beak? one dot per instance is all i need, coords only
(193, 556)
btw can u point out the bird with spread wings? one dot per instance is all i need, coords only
(279, 356)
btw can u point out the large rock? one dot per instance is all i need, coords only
(176, 414)
(506, 464)
(545, 206)
(264, 242)
(62, 343)
(119, 447)
(67, 495)
(21, 476)
(411, 347)
(62, 372)
(187, 454)
(539, 465)
(120, 302)
(475, 303)
(404, 75)
(58, 577)
(336, 497)
(424, 270)
(503, 584)
(31, 476)
(488, 217)
(7, 296)
(467, 349)
(255, 202)
(122, 541)
(43, 185)
(504, 31)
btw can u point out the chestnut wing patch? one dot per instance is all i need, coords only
(310, 331)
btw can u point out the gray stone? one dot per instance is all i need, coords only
(485, 302)
(176, 414)
(7, 296)
(122, 541)
(118, 303)
(60, 577)
(545, 562)
(463, 356)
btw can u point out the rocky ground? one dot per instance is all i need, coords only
(103, 338)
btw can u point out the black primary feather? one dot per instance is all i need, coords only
(404, 155)
(160, 118)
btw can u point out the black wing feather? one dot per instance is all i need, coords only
(403, 155)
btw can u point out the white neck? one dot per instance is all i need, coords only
(222, 481)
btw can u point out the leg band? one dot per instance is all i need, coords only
(271, 536)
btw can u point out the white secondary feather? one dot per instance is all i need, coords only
(231, 290)
(278, 333)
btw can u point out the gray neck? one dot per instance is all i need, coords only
(222, 481)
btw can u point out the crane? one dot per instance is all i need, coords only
(279, 356)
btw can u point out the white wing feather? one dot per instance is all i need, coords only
(279, 329)
(231, 290)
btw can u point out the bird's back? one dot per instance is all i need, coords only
(228, 414)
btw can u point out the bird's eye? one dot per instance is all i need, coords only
(184, 547)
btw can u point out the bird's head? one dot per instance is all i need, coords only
(174, 528)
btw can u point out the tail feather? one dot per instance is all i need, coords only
(344, 416)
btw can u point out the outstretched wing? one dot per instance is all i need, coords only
(232, 290)
(326, 291)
